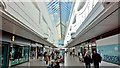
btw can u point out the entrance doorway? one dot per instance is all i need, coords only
(4, 57)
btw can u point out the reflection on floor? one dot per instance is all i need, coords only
(70, 62)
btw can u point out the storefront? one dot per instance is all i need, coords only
(83, 47)
(15, 49)
(40, 49)
(4, 55)
(46, 48)
(19, 54)
(33, 52)
(92, 45)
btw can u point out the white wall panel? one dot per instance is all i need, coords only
(108, 40)
(31, 16)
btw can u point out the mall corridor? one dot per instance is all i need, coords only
(60, 33)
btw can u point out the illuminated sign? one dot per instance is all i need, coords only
(13, 38)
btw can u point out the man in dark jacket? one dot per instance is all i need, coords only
(96, 58)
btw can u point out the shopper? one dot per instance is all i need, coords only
(96, 58)
(57, 63)
(46, 58)
(49, 54)
(52, 55)
(41, 55)
(87, 59)
(73, 52)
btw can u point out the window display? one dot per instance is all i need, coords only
(18, 54)
(33, 53)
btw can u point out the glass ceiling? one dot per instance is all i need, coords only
(59, 11)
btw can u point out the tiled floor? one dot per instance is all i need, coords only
(70, 62)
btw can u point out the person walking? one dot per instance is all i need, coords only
(73, 52)
(49, 55)
(41, 55)
(96, 58)
(46, 58)
(87, 59)
(52, 55)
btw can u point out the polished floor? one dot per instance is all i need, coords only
(70, 62)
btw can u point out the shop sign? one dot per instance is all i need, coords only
(13, 38)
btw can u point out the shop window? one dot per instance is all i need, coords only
(18, 54)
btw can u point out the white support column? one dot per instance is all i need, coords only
(36, 53)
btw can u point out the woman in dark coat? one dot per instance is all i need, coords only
(87, 60)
